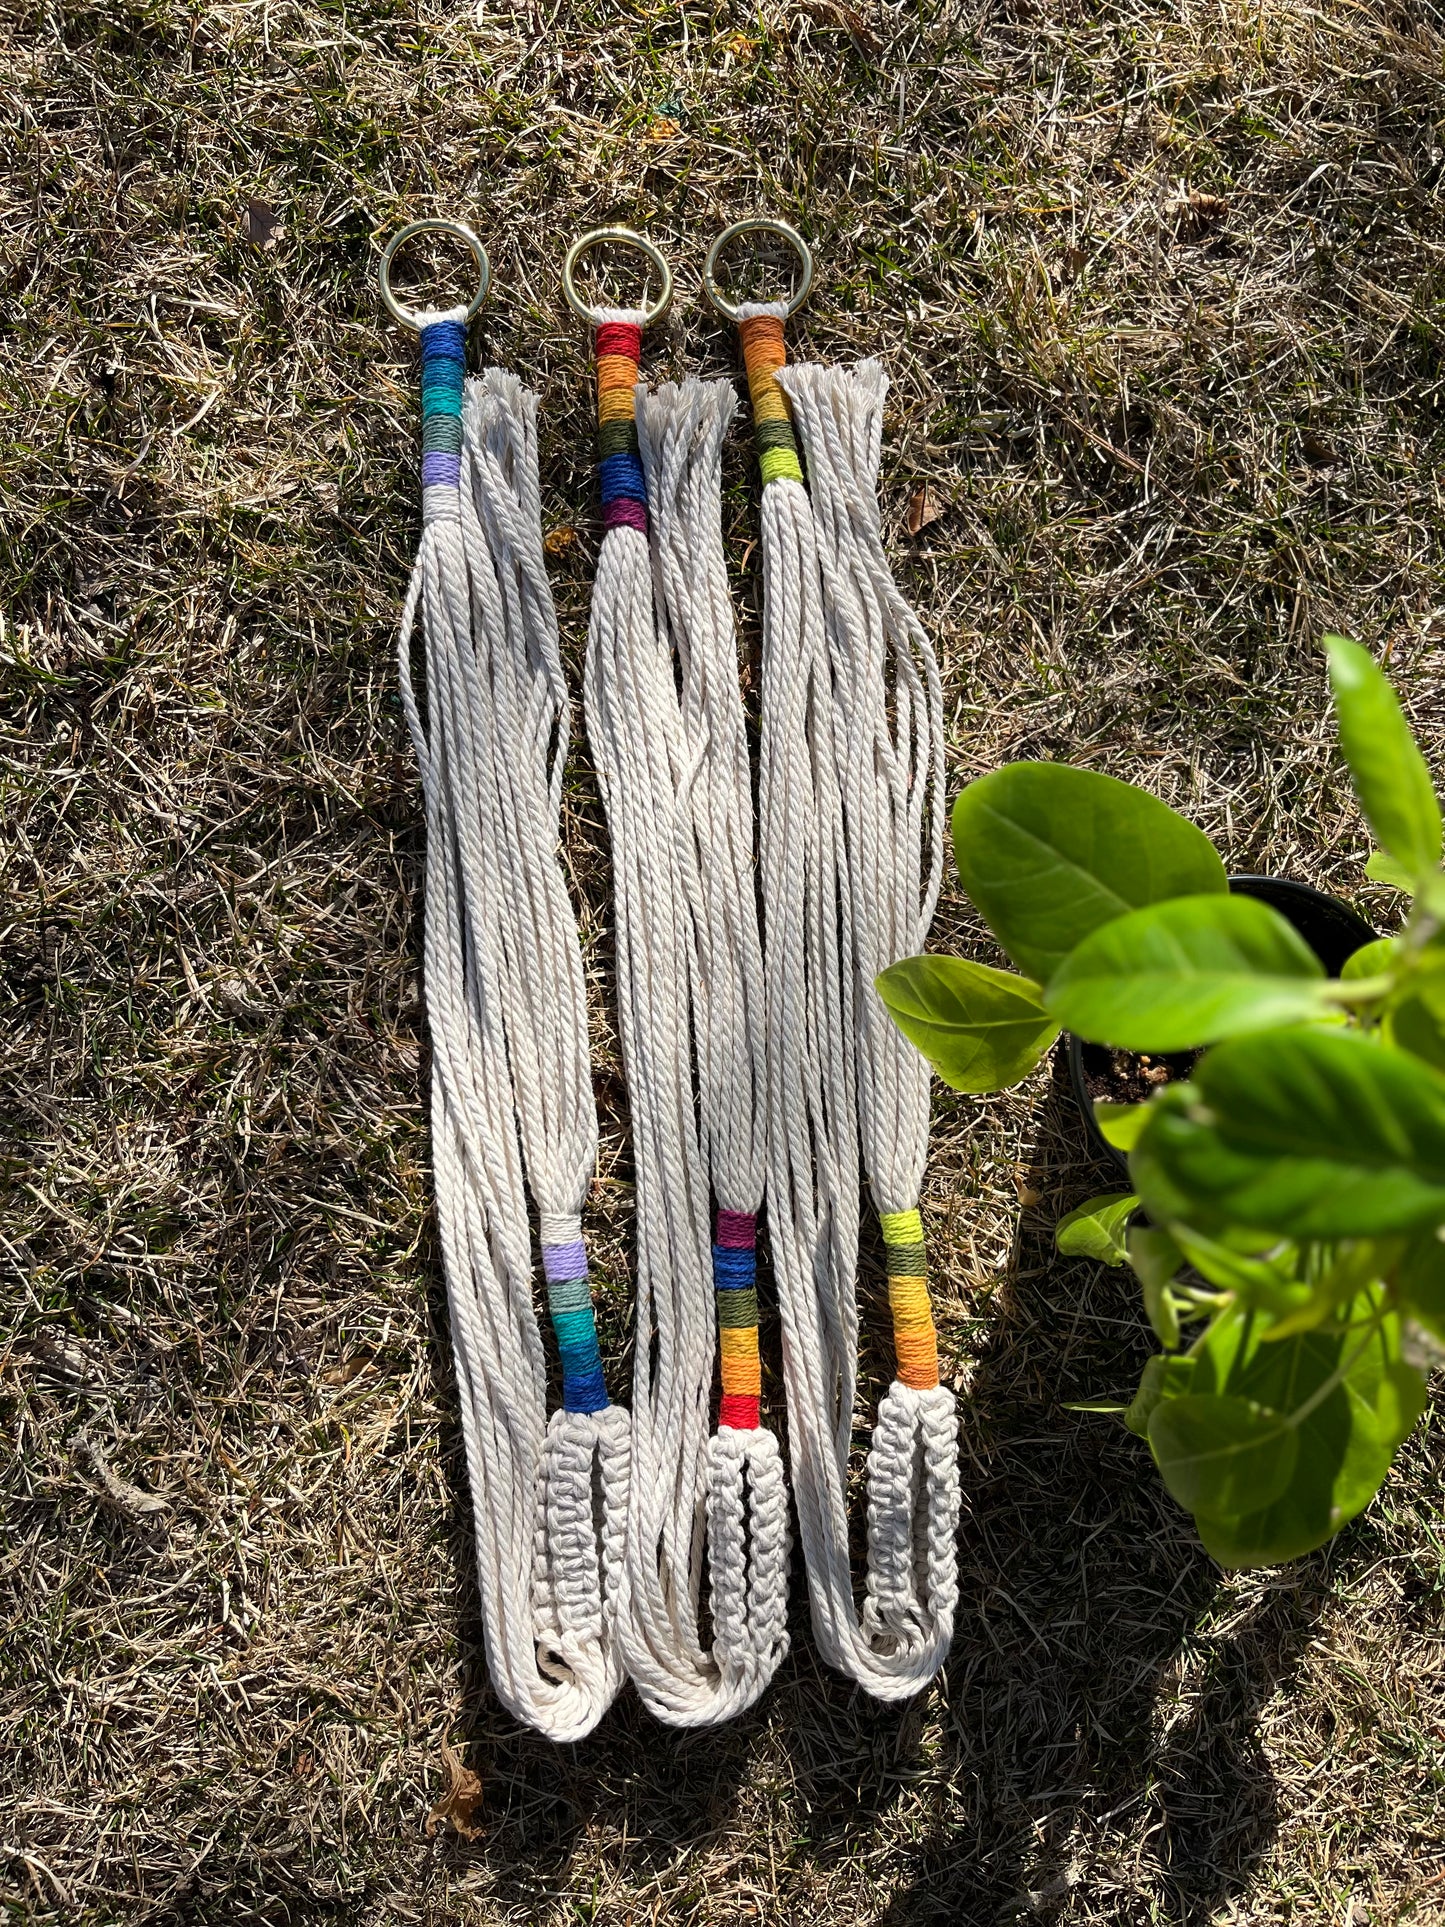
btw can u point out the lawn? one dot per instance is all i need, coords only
(1161, 291)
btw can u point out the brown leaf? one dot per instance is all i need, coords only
(834, 13)
(1199, 210)
(458, 1805)
(556, 540)
(922, 509)
(348, 1369)
(261, 224)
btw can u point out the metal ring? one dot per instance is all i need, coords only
(757, 224)
(625, 237)
(407, 316)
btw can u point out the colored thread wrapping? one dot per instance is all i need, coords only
(569, 1300)
(619, 461)
(734, 1274)
(443, 371)
(764, 353)
(915, 1341)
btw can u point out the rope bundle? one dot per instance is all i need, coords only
(851, 822)
(512, 1101)
(672, 763)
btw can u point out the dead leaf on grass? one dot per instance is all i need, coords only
(458, 1805)
(261, 224)
(348, 1369)
(834, 13)
(1198, 210)
(923, 508)
(557, 540)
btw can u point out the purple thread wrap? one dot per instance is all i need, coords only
(560, 1262)
(440, 469)
(624, 513)
(737, 1230)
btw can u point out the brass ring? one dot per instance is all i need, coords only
(757, 224)
(407, 316)
(625, 237)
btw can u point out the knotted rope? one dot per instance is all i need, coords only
(511, 1085)
(672, 764)
(851, 827)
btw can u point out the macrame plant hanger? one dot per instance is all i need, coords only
(512, 1100)
(851, 811)
(665, 723)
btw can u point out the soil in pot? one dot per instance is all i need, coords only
(1132, 1077)
(1333, 931)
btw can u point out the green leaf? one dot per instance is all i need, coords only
(1347, 1436)
(1165, 1375)
(1095, 1229)
(1120, 1124)
(981, 1029)
(1188, 972)
(1269, 1281)
(1047, 853)
(1344, 1455)
(1310, 1133)
(1156, 1258)
(1371, 959)
(1220, 1456)
(1348, 1269)
(1420, 1280)
(1389, 773)
(1380, 868)
(1412, 1025)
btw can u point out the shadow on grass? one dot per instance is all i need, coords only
(1092, 1750)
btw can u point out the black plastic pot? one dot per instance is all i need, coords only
(1331, 929)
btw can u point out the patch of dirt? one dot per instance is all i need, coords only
(1132, 1077)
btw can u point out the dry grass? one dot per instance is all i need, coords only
(1161, 288)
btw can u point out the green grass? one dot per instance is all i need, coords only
(1160, 291)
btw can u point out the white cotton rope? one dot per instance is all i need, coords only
(851, 830)
(511, 1085)
(665, 723)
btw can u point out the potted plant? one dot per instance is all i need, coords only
(1288, 1196)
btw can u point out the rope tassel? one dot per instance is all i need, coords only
(672, 763)
(851, 801)
(512, 1095)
